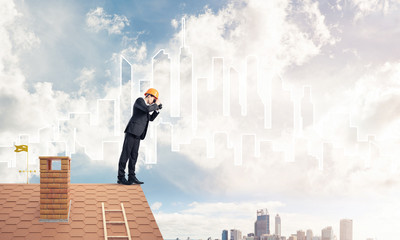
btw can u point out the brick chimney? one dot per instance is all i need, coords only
(54, 189)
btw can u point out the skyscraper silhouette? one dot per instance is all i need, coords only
(185, 77)
(225, 235)
(307, 108)
(277, 225)
(236, 234)
(162, 79)
(125, 98)
(261, 226)
(301, 235)
(346, 229)
(327, 233)
(309, 235)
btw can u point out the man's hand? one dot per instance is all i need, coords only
(158, 101)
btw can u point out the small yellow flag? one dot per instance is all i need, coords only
(20, 148)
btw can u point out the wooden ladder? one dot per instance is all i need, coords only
(115, 222)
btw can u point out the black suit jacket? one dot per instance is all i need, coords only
(140, 119)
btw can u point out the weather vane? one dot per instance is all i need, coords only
(24, 148)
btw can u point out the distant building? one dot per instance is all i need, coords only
(277, 225)
(269, 237)
(251, 236)
(301, 235)
(264, 237)
(261, 226)
(293, 237)
(274, 237)
(236, 234)
(346, 229)
(225, 235)
(309, 235)
(327, 233)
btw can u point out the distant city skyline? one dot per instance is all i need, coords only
(261, 226)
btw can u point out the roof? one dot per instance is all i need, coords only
(20, 212)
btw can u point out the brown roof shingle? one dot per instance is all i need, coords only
(20, 212)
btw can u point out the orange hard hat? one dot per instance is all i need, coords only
(153, 92)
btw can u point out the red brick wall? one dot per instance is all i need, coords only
(54, 188)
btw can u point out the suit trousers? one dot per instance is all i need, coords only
(130, 151)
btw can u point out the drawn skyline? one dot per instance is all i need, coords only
(264, 100)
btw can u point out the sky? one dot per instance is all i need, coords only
(285, 105)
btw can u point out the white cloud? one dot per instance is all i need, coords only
(156, 206)
(85, 79)
(25, 112)
(269, 31)
(97, 19)
(24, 39)
(322, 33)
(236, 209)
(8, 12)
(174, 23)
(270, 34)
(136, 53)
(234, 32)
(280, 35)
(21, 110)
(367, 7)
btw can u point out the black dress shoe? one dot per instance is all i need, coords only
(123, 181)
(134, 180)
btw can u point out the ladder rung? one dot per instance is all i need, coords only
(115, 222)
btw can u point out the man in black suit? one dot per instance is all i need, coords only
(136, 131)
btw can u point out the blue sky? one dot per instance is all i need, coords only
(150, 22)
(61, 57)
